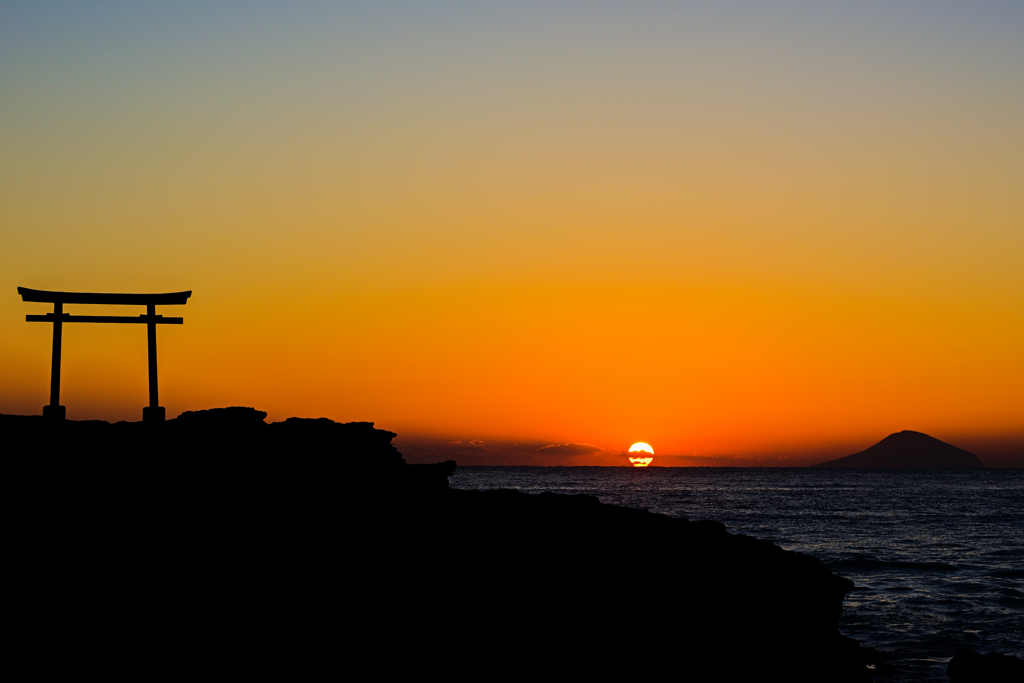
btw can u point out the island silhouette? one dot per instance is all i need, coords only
(909, 449)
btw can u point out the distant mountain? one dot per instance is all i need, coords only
(908, 449)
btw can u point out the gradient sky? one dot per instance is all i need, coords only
(751, 233)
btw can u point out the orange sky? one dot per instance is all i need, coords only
(771, 235)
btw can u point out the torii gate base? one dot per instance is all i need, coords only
(151, 413)
(154, 414)
(59, 412)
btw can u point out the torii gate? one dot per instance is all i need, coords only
(153, 413)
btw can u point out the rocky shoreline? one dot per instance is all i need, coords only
(218, 535)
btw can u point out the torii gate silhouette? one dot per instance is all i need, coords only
(152, 413)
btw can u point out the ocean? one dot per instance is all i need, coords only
(937, 555)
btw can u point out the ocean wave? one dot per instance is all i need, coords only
(1008, 573)
(863, 564)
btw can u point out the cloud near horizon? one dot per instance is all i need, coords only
(569, 449)
(475, 452)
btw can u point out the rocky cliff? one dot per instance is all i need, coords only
(216, 537)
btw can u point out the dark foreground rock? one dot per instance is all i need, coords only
(909, 449)
(968, 666)
(220, 539)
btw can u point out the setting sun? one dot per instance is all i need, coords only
(641, 447)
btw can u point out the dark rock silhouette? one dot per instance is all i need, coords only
(909, 449)
(967, 666)
(217, 537)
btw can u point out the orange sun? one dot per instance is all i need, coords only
(641, 447)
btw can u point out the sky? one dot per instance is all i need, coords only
(534, 233)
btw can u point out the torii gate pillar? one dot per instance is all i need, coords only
(55, 410)
(153, 412)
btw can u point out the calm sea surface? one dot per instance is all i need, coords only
(937, 555)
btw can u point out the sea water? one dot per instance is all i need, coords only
(937, 555)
